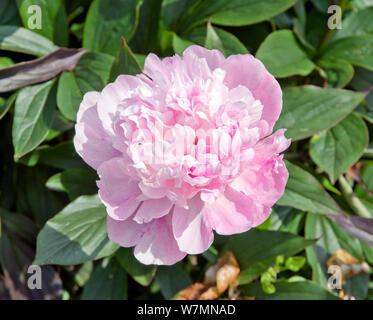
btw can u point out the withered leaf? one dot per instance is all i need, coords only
(361, 228)
(39, 70)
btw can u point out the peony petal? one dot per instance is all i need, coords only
(158, 245)
(234, 212)
(125, 233)
(91, 141)
(265, 184)
(250, 72)
(191, 229)
(265, 179)
(117, 190)
(124, 87)
(152, 209)
(214, 58)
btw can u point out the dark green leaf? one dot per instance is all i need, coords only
(338, 148)
(356, 23)
(357, 50)
(285, 290)
(229, 41)
(107, 21)
(6, 105)
(107, 282)
(61, 156)
(305, 193)
(286, 219)
(256, 250)
(310, 109)
(141, 273)
(233, 13)
(90, 74)
(33, 116)
(363, 81)
(75, 235)
(9, 13)
(339, 72)
(125, 63)
(75, 181)
(282, 55)
(53, 19)
(171, 280)
(212, 40)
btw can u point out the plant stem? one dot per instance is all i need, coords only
(353, 201)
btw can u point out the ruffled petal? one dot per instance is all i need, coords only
(266, 177)
(126, 233)
(152, 209)
(247, 71)
(233, 212)
(124, 87)
(191, 228)
(214, 58)
(91, 141)
(117, 190)
(158, 245)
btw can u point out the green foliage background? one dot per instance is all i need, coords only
(50, 213)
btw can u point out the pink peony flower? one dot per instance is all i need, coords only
(184, 149)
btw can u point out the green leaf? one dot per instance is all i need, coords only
(363, 81)
(5, 62)
(286, 219)
(9, 13)
(282, 55)
(361, 4)
(233, 13)
(124, 63)
(212, 40)
(172, 279)
(310, 109)
(366, 174)
(285, 290)
(7, 105)
(146, 37)
(33, 116)
(53, 19)
(357, 50)
(75, 235)
(84, 273)
(332, 238)
(90, 74)
(338, 148)
(257, 250)
(19, 39)
(339, 72)
(141, 273)
(107, 21)
(61, 156)
(172, 11)
(107, 282)
(305, 193)
(231, 44)
(356, 23)
(75, 181)
(179, 44)
(33, 198)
